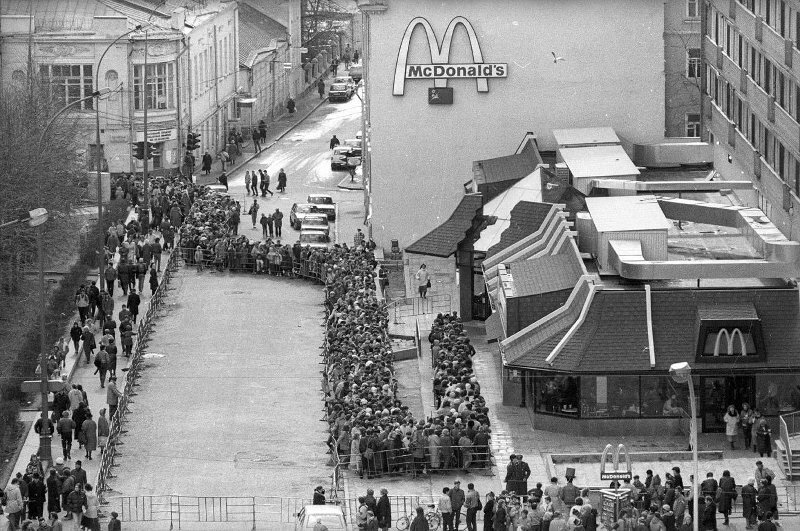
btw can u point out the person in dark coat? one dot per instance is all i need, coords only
(319, 496)
(36, 496)
(133, 304)
(488, 512)
(282, 181)
(75, 334)
(708, 515)
(749, 494)
(517, 473)
(207, 161)
(727, 495)
(53, 492)
(223, 180)
(383, 511)
(420, 523)
(763, 438)
(499, 518)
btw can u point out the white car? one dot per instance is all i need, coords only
(331, 516)
(317, 222)
(315, 239)
(324, 203)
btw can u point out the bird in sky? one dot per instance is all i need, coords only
(556, 58)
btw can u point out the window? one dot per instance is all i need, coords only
(692, 8)
(730, 341)
(609, 396)
(68, 83)
(777, 393)
(557, 395)
(693, 125)
(160, 93)
(693, 63)
(663, 397)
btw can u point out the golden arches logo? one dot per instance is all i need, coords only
(616, 472)
(730, 340)
(440, 70)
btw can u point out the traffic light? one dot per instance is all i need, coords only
(138, 150)
(192, 141)
(151, 151)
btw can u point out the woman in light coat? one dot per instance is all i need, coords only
(355, 453)
(422, 277)
(731, 420)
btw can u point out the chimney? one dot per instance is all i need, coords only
(178, 19)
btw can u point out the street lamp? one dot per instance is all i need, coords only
(98, 159)
(682, 373)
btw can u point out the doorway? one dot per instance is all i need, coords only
(718, 392)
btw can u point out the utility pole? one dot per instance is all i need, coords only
(145, 212)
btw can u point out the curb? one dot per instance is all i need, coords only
(345, 184)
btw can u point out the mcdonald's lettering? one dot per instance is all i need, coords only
(617, 472)
(440, 70)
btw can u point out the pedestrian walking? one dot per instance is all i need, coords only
(103, 430)
(290, 105)
(14, 505)
(89, 429)
(54, 490)
(423, 281)
(472, 501)
(335, 66)
(445, 507)
(89, 344)
(253, 213)
(731, 420)
(256, 136)
(141, 273)
(101, 364)
(247, 181)
(262, 129)
(65, 428)
(457, 498)
(224, 158)
(76, 500)
(90, 519)
(254, 185)
(763, 438)
(75, 334)
(82, 303)
(112, 397)
(265, 184)
(726, 495)
(383, 511)
(333, 142)
(207, 161)
(153, 280)
(157, 249)
(321, 88)
(133, 303)
(223, 180)
(263, 221)
(746, 422)
(277, 220)
(282, 181)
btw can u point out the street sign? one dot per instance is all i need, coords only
(303, 50)
(34, 386)
(616, 473)
(287, 66)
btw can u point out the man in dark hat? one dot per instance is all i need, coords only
(517, 474)
(319, 496)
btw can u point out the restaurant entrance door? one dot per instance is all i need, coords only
(718, 392)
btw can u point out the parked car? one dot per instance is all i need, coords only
(299, 211)
(331, 516)
(356, 72)
(316, 222)
(345, 157)
(316, 239)
(352, 142)
(217, 188)
(341, 88)
(324, 203)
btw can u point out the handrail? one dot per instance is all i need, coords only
(787, 449)
(411, 306)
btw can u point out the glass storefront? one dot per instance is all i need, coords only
(609, 396)
(777, 394)
(557, 395)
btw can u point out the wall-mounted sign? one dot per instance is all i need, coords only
(440, 96)
(157, 135)
(440, 69)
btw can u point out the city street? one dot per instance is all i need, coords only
(231, 391)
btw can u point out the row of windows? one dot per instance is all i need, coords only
(203, 69)
(160, 93)
(68, 83)
(778, 14)
(766, 74)
(760, 136)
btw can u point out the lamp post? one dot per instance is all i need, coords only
(36, 218)
(682, 373)
(98, 159)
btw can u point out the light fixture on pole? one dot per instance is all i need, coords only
(682, 373)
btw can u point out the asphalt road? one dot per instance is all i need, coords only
(230, 403)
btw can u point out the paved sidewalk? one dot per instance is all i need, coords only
(283, 125)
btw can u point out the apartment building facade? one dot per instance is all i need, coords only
(751, 100)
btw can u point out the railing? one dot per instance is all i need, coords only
(790, 427)
(420, 460)
(246, 263)
(134, 367)
(411, 306)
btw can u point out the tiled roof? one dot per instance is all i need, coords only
(526, 218)
(726, 311)
(444, 239)
(58, 15)
(507, 168)
(256, 30)
(613, 337)
(544, 274)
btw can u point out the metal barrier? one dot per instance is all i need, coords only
(790, 427)
(311, 269)
(411, 306)
(134, 368)
(421, 460)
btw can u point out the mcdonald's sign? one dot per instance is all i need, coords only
(730, 340)
(440, 69)
(617, 472)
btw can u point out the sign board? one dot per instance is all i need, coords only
(157, 135)
(35, 386)
(287, 66)
(440, 69)
(303, 50)
(353, 161)
(612, 504)
(616, 473)
(440, 96)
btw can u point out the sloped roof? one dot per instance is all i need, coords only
(526, 218)
(544, 274)
(256, 30)
(507, 168)
(444, 239)
(613, 337)
(58, 15)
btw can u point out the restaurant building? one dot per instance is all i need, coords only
(589, 315)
